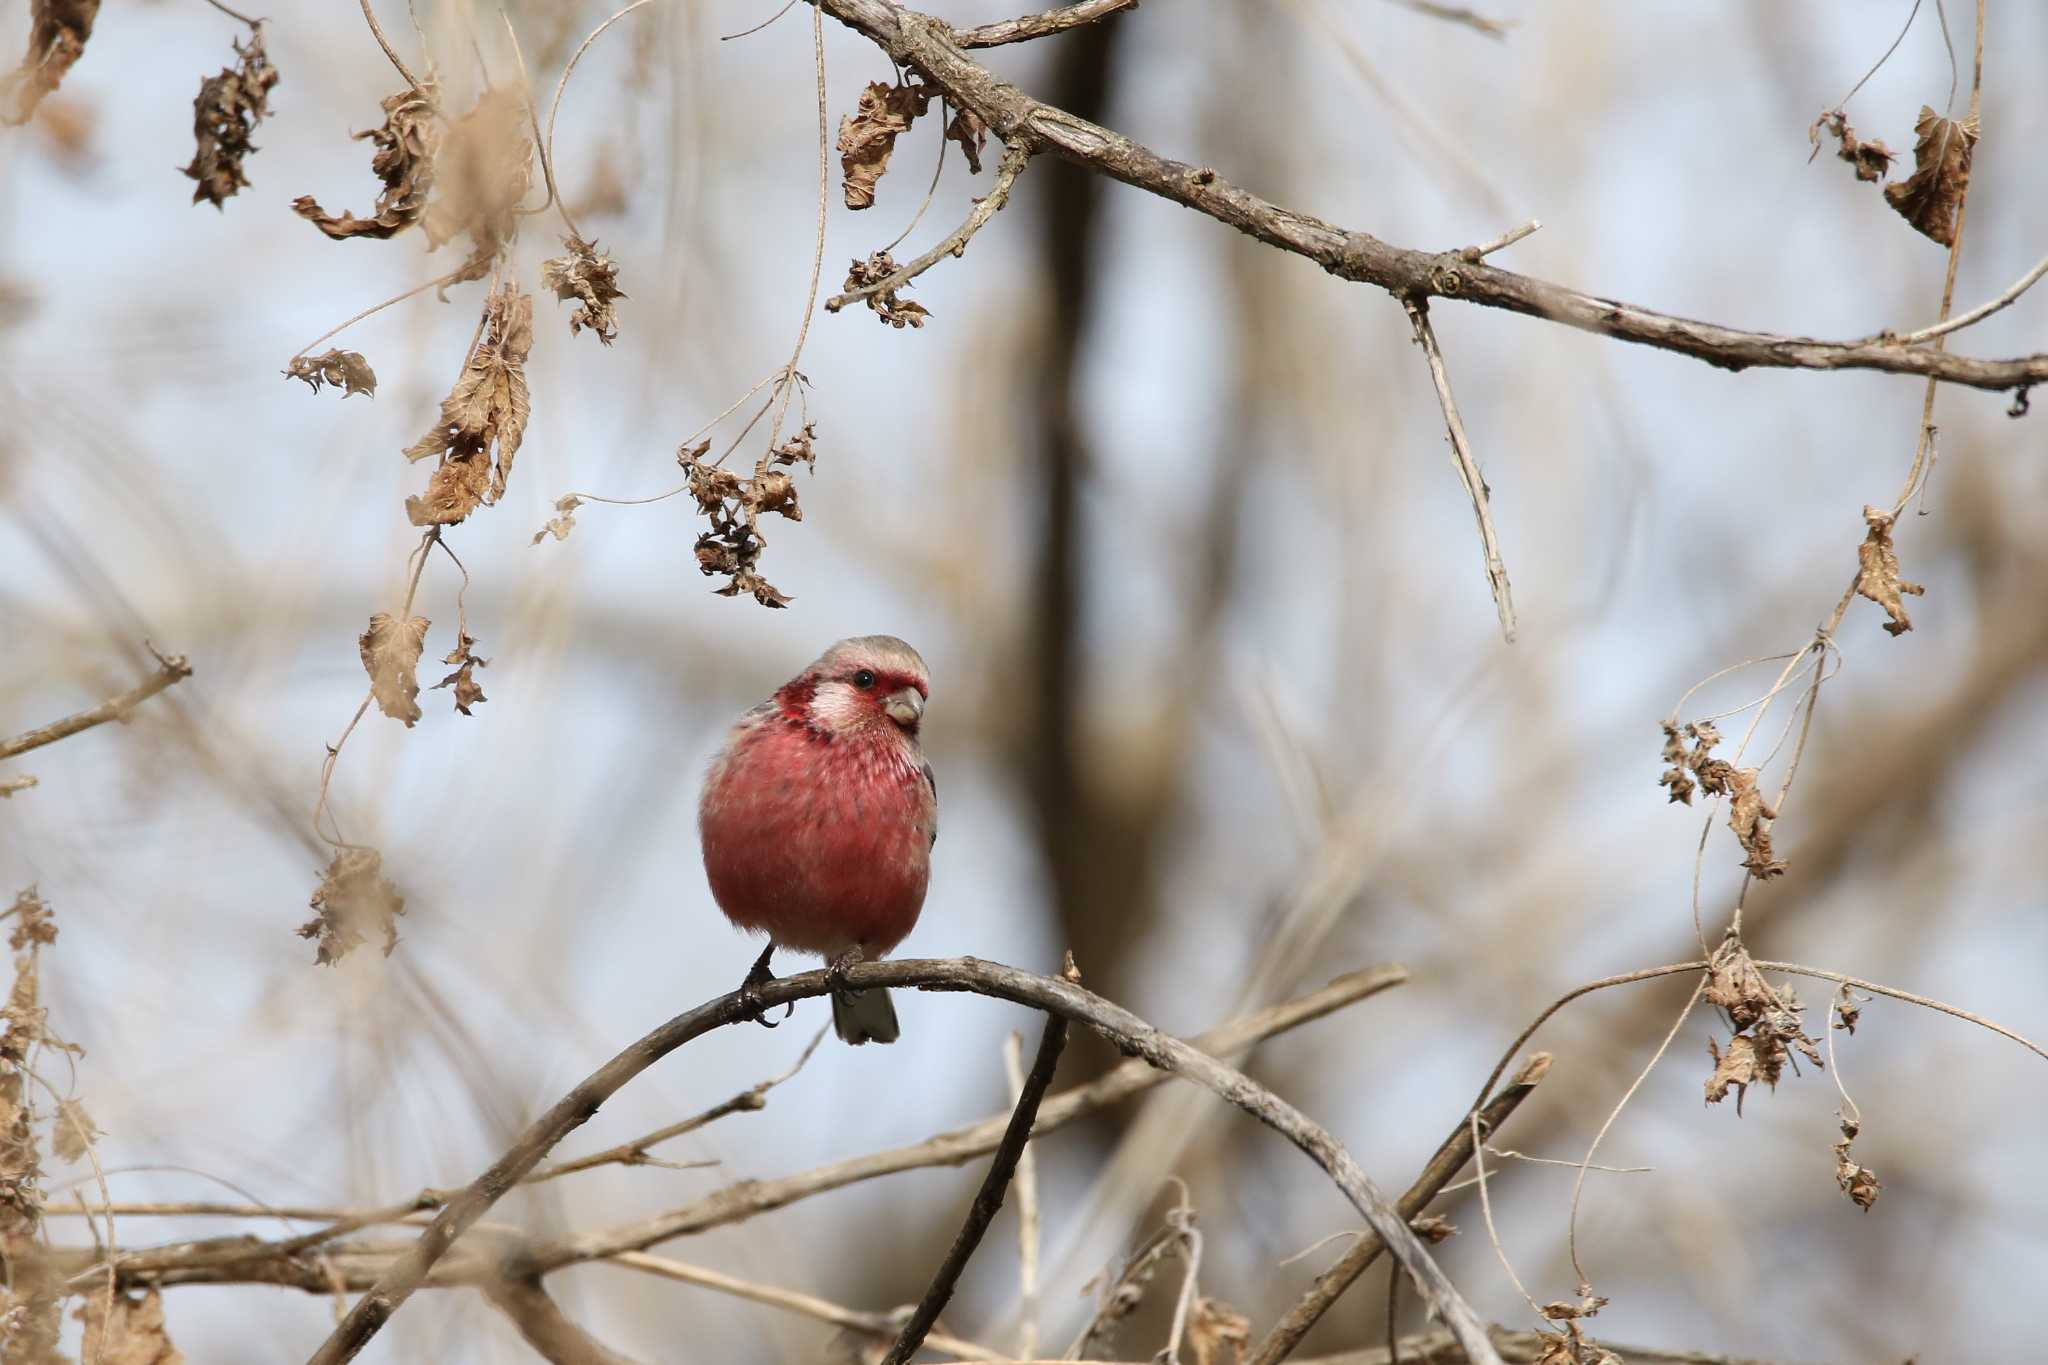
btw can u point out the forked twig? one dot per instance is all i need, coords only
(171, 668)
(1015, 158)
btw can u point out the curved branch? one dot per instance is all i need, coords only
(929, 46)
(1126, 1031)
(170, 669)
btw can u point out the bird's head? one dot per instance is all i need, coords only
(870, 684)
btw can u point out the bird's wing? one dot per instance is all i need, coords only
(931, 780)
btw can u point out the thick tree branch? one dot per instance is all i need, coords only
(171, 668)
(1450, 1158)
(1129, 1033)
(988, 1200)
(927, 45)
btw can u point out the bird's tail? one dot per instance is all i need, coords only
(864, 1016)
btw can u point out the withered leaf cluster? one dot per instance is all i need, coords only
(967, 129)
(482, 420)
(1931, 196)
(868, 135)
(562, 522)
(353, 901)
(224, 114)
(127, 1330)
(391, 656)
(734, 506)
(1694, 767)
(1871, 159)
(1217, 1333)
(1767, 1023)
(586, 275)
(345, 370)
(1857, 1181)
(1570, 1345)
(897, 312)
(468, 691)
(1877, 576)
(57, 34)
(404, 161)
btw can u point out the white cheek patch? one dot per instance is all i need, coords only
(836, 706)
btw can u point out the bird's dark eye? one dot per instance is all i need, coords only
(864, 679)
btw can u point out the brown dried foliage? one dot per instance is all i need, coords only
(1877, 576)
(468, 691)
(585, 275)
(482, 420)
(127, 1330)
(391, 656)
(224, 114)
(57, 34)
(1768, 1025)
(345, 370)
(1871, 159)
(967, 129)
(1749, 815)
(404, 161)
(482, 171)
(1571, 1345)
(1931, 196)
(562, 522)
(1217, 1333)
(353, 901)
(868, 135)
(734, 506)
(897, 312)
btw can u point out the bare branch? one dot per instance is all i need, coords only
(546, 1327)
(1458, 14)
(955, 244)
(1129, 1033)
(1027, 1210)
(928, 46)
(988, 1200)
(170, 669)
(1468, 469)
(1450, 1158)
(377, 31)
(1977, 314)
(1040, 25)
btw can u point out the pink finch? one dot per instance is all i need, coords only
(819, 815)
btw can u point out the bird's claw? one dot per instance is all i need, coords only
(751, 1002)
(835, 973)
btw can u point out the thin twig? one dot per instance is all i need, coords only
(392, 52)
(1977, 314)
(1015, 159)
(1502, 242)
(346, 323)
(1468, 468)
(1457, 14)
(171, 669)
(1180, 1220)
(1044, 25)
(562, 82)
(255, 24)
(634, 1153)
(1924, 1001)
(1450, 1158)
(1027, 1210)
(1123, 1029)
(988, 1200)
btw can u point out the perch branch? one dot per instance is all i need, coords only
(170, 669)
(988, 1200)
(928, 46)
(1044, 25)
(1125, 1030)
(547, 1329)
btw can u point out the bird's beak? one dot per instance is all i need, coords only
(905, 706)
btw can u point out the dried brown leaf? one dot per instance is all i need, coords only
(404, 161)
(1433, 1228)
(1930, 198)
(800, 447)
(224, 114)
(584, 274)
(354, 899)
(345, 370)
(1737, 987)
(33, 922)
(1750, 816)
(868, 135)
(482, 420)
(1848, 1009)
(1857, 1181)
(57, 34)
(562, 522)
(1871, 159)
(1877, 576)
(1217, 1333)
(391, 656)
(895, 311)
(482, 171)
(132, 1333)
(967, 129)
(468, 692)
(72, 1132)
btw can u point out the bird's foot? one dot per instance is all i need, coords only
(836, 969)
(750, 991)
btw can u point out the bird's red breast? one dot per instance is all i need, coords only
(822, 840)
